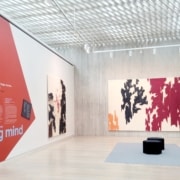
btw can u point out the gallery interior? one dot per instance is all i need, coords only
(90, 89)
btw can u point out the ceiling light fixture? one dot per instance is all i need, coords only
(111, 55)
(87, 48)
(130, 53)
(154, 51)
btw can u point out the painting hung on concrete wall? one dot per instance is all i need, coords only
(56, 106)
(144, 104)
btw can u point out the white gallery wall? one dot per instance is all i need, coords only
(38, 62)
(92, 72)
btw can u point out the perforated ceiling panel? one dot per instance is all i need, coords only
(62, 23)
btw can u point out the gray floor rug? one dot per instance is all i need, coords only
(132, 153)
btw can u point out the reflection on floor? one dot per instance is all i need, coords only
(83, 158)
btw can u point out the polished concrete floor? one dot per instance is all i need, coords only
(83, 158)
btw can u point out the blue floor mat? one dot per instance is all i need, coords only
(132, 153)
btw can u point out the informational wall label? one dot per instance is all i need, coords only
(26, 109)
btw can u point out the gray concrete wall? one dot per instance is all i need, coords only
(92, 72)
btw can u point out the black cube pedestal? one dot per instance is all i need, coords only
(152, 147)
(158, 139)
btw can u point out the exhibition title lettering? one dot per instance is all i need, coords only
(10, 132)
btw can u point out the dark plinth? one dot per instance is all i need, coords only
(158, 139)
(152, 147)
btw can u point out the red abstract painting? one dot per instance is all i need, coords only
(145, 104)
